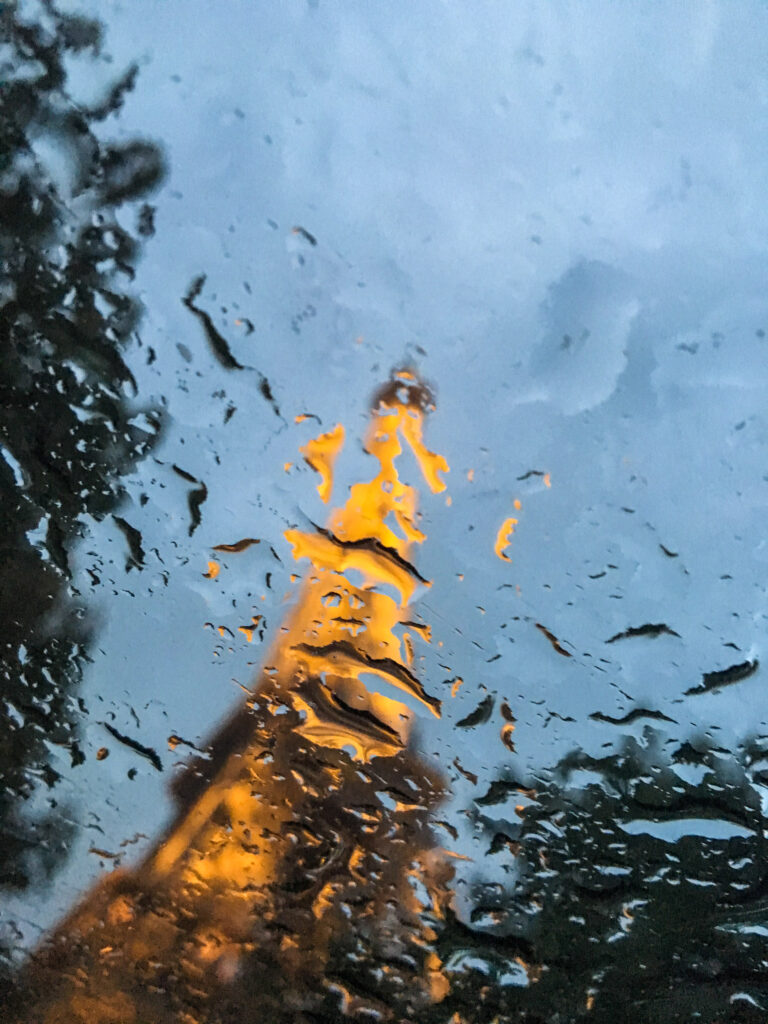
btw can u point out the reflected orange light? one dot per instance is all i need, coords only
(321, 454)
(503, 538)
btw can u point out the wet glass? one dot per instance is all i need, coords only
(383, 496)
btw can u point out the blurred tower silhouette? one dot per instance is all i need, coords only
(300, 876)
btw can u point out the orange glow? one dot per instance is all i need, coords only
(321, 454)
(547, 480)
(331, 691)
(247, 631)
(503, 538)
(506, 736)
(439, 984)
(456, 856)
(327, 554)
(213, 571)
(341, 631)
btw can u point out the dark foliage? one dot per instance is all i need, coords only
(69, 416)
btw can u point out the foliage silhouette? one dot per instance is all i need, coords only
(70, 422)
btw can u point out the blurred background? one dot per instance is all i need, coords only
(218, 218)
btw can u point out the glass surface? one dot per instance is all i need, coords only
(384, 495)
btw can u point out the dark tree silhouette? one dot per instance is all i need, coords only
(68, 405)
(619, 905)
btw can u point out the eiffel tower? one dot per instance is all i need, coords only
(300, 880)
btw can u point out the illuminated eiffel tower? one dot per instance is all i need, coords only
(300, 880)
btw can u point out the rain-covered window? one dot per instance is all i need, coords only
(383, 512)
